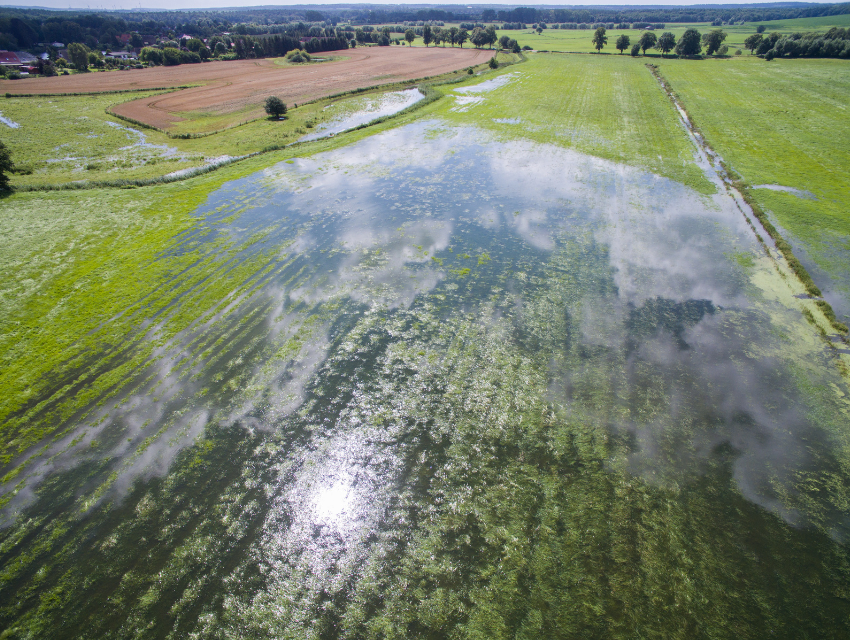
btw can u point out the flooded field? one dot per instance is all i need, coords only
(355, 113)
(469, 387)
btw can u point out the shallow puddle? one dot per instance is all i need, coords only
(800, 193)
(8, 122)
(350, 115)
(471, 96)
(472, 388)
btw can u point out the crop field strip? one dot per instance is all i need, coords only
(74, 139)
(241, 86)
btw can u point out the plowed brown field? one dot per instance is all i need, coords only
(242, 85)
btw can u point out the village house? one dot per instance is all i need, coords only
(9, 60)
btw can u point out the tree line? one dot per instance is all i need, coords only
(690, 43)
(724, 14)
(835, 43)
(239, 48)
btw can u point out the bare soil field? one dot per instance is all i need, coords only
(241, 86)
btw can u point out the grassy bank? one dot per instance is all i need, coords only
(781, 124)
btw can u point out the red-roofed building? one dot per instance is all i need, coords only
(9, 59)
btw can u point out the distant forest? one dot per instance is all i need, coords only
(24, 29)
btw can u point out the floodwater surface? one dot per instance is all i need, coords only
(471, 389)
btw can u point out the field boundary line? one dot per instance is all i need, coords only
(737, 186)
(171, 89)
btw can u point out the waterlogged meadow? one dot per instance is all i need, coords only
(448, 380)
(793, 157)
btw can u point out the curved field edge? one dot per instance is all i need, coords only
(38, 146)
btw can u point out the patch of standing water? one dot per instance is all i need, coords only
(142, 141)
(371, 109)
(9, 123)
(437, 343)
(507, 120)
(469, 95)
(209, 162)
(800, 193)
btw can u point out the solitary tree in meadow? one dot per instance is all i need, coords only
(410, 36)
(622, 43)
(504, 42)
(599, 39)
(666, 42)
(689, 43)
(462, 36)
(427, 35)
(647, 40)
(274, 106)
(713, 40)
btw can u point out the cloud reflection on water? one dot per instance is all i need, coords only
(362, 225)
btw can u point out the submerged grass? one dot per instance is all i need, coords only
(524, 458)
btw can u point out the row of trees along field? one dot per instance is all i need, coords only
(238, 48)
(835, 43)
(690, 43)
(721, 15)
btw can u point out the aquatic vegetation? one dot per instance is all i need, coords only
(442, 378)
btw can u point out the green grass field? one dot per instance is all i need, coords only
(781, 124)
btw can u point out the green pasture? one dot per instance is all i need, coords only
(781, 123)
(606, 106)
(823, 23)
(61, 139)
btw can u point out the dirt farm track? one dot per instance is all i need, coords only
(242, 85)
